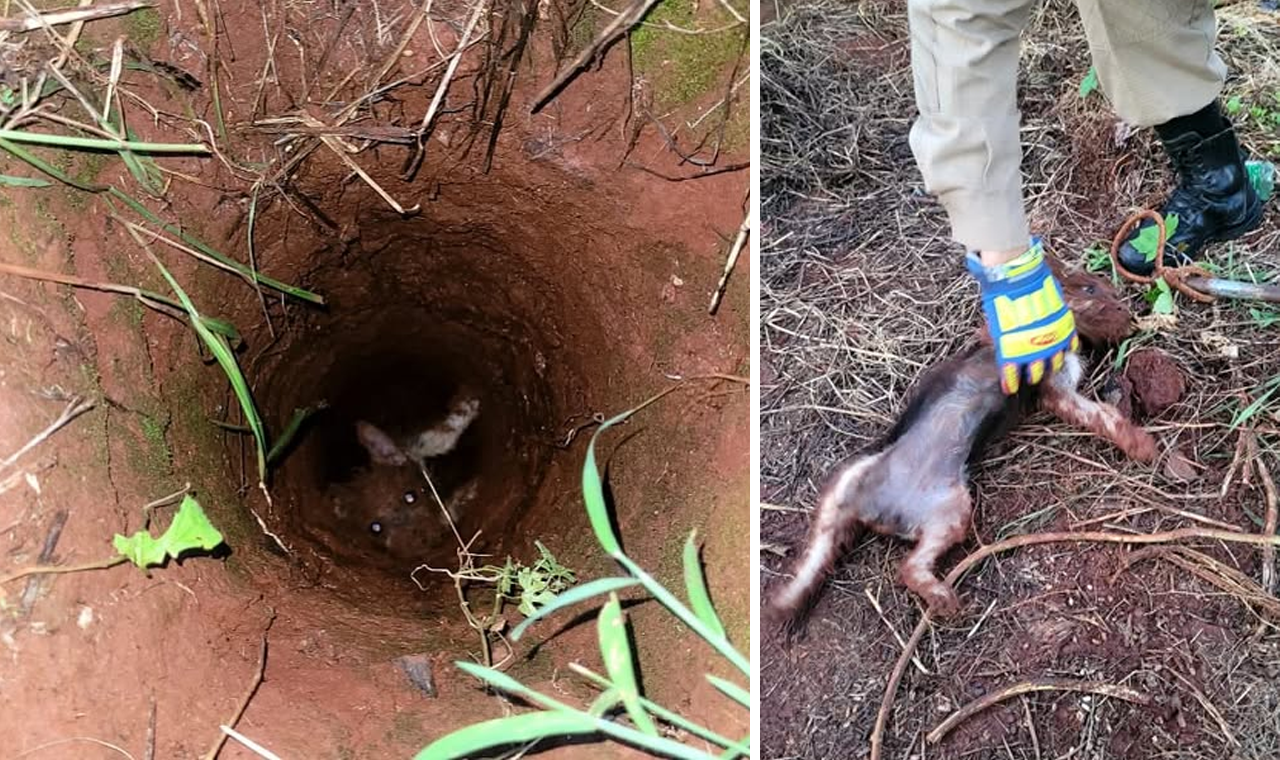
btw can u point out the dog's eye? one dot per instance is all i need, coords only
(1090, 290)
(375, 527)
(410, 497)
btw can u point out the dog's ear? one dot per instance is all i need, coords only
(382, 450)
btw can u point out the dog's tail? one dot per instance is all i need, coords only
(835, 525)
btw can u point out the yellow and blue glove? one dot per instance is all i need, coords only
(1029, 321)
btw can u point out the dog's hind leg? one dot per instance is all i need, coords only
(834, 523)
(934, 538)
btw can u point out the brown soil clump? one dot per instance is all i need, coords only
(1158, 382)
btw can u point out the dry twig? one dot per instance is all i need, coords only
(258, 675)
(1028, 687)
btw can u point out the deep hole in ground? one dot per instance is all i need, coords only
(422, 316)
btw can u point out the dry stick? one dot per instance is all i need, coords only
(58, 569)
(1269, 527)
(1211, 571)
(335, 145)
(71, 16)
(248, 694)
(736, 250)
(211, 261)
(28, 598)
(253, 746)
(443, 87)
(616, 28)
(1017, 542)
(1241, 445)
(106, 287)
(75, 408)
(150, 751)
(875, 604)
(1027, 687)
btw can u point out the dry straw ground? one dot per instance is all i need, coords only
(862, 290)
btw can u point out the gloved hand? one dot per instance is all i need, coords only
(1028, 320)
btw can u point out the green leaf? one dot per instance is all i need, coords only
(25, 155)
(1264, 317)
(1234, 105)
(732, 690)
(516, 729)
(615, 649)
(1090, 82)
(1145, 242)
(741, 749)
(189, 530)
(94, 143)
(7, 180)
(574, 596)
(227, 360)
(696, 584)
(1161, 298)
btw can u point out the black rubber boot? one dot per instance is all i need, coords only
(1214, 199)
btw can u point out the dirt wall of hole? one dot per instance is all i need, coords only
(561, 272)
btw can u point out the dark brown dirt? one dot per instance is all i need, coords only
(542, 282)
(861, 292)
(1157, 380)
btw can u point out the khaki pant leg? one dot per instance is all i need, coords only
(964, 57)
(1155, 58)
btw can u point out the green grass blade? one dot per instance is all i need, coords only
(614, 730)
(696, 585)
(7, 180)
(669, 600)
(218, 326)
(510, 685)
(201, 246)
(574, 596)
(663, 714)
(1268, 390)
(291, 430)
(516, 729)
(615, 650)
(593, 486)
(604, 703)
(143, 168)
(593, 496)
(741, 749)
(222, 352)
(95, 143)
(23, 154)
(732, 690)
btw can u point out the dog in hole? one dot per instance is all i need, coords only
(396, 496)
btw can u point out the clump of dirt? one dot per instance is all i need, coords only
(1157, 381)
(558, 280)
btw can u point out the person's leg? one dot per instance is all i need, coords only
(964, 56)
(1157, 65)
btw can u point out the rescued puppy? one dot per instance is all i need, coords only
(914, 483)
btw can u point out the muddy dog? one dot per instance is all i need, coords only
(914, 483)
